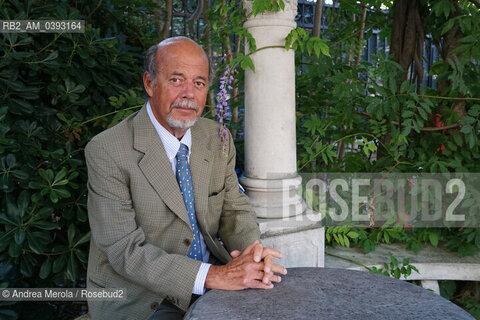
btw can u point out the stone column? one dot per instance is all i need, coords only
(271, 179)
(270, 140)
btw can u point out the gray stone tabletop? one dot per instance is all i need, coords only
(324, 293)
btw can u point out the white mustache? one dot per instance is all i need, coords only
(185, 104)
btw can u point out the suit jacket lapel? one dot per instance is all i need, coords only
(156, 168)
(155, 165)
(201, 161)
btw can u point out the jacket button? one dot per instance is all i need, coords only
(187, 242)
(154, 305)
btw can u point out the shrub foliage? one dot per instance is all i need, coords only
(54, 93)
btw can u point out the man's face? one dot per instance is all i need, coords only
(180, 93)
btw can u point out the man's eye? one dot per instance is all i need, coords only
(175, 80)
(200, 84)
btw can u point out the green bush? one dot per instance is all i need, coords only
(54, 93)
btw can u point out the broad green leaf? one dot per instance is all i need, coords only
(35, 244)
(51, 56)
(45, 269)
(47, 175)
(433, 237)
(5, 236)
(72, 268)
(53, 196)
(407, 114)
(19, 174)
(14, 250)
(458, 139)
(62, 193)
(78, 89)
(44, 212)
(45, 225)
(60, 175)
(83, 239)
(19, 236)
(71, 234)
(6, 220)
(81, 255)
(468, 120)
(59, 263)
(353, 234)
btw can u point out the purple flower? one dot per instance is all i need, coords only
(222, 110)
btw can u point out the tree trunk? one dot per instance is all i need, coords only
(194, 18)
(361, 31)
(449, 43)
(168, 18)
(158, 16)
(408, 35)
(317, 19)
(350, 50)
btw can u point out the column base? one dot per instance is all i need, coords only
(274, 198)
(301, 241)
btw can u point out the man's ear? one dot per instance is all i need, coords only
(148, 84)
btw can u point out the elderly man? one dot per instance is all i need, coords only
(164, 204)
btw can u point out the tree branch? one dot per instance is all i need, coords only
(94, 9)
(429, 129)
(363, 18)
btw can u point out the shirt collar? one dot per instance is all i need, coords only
(169, 141)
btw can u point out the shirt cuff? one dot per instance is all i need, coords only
(199, 286)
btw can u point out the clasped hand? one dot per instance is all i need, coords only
(252, 268)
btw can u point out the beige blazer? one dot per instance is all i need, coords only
(140, 226)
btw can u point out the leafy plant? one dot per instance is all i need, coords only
(55, 93)
(395, 270)
(471, 305)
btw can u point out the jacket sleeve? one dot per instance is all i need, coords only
(238, 223)
(116, 233)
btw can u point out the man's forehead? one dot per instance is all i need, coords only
(181, 48)
(197, 75)
(184, 64)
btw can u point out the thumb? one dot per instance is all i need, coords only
(235, 253)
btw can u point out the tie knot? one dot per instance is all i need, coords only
(182, 152)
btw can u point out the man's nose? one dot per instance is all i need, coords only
(188, 90)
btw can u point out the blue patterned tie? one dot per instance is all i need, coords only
(184, 179)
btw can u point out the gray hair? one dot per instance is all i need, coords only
(150, 61)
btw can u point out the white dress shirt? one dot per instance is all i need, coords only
(172, 145)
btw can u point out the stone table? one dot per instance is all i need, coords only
(327, 293)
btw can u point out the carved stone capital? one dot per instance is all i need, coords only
(284, 17)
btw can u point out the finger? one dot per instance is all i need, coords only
(257, 252)
(268, 261)
(276, 268)
(235, 253)
(271, 252)
(259, 276)
(272, 278)
(256, 284)
(269, 277)
(249, 249)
